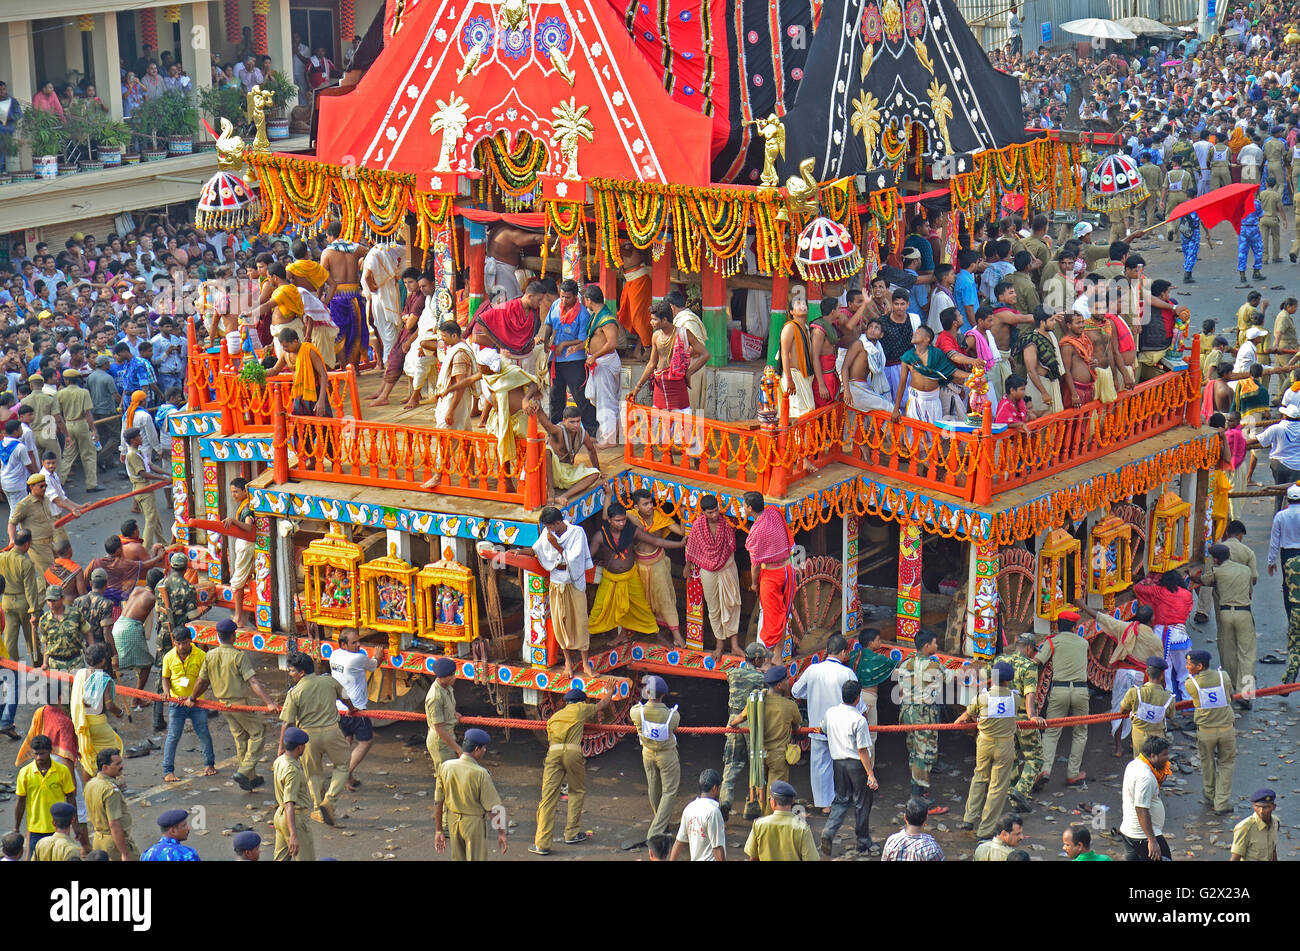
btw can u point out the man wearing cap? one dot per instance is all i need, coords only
(1067, 652)
(98, 610)
(62, 632)
(1236, 628)
(48, 422)
(22, 596)
(1151, 706)
(994, 709)
(59, 846)
(742, 680)
(819, 687)
(781, 836)
(311, 704)
(440, 711)
(1092, 253)
(1216, 736)
(175, 827)
(230, 674)
(33, 514)
(565, 764)
(780, 719)
(106, 808)
(248, 846)
(293, 838)
(467, 795)
(77, 411)
(1024, 683)
(656, 727)
(1254, 839)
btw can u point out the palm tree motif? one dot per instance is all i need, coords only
(571, 127)
(941, 107)
(450, 121)
(865, 120)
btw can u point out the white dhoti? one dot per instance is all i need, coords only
(1105, 391)
(241, 567)
(1053, 402)
(722, 596)
(998, 374)
(821, 772)
(322, 332)
(383, 263)
(925, 407)
(276, 329)
(603, 390)
(862, 397)
(801, 399)
(1125, 677)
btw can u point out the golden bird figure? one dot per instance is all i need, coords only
(800, 192)
(868, 57)
(230, 148)
(561, 64)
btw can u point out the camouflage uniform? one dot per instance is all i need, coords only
(741, 681)
(63, 640)
(1029, 743)
(184, 601)
(1291, 578)
(98, 611)
(917, 683)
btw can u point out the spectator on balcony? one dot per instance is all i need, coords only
(301, 56)
(320, 69)
(48, 100)
(176, 80)
(10, 113)
(925, 369)
(247, 73)
(154, 86)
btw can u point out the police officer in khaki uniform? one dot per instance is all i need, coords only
(994, 709)
(1254, 839)
(1068, 653)
(656, 727)
(1150, 704)
(22, 596)
(33, 514)
(467, 797)
(440, 710)
(310, 705)
(1029, 743)
(1233, 590)
(59, 846)
(106, 809)
(780, 719)
(1153, 177)
(230, 674)
(1216, 737)
(76, 407)
(1271, 219)
(1220, 164)
(293, 839)
(47, 424)
(781, 836)
(565, 764)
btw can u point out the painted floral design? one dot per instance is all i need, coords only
(515, 43)
(553, 33)
(479, 33)
(914, 16)
(873, 27)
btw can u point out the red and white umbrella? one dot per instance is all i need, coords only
(1115, 184)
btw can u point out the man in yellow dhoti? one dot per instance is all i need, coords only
(316, 289)
(93, 690)
(621, 599)
(286, 302)
(563, 442)
(652, 563)
(510, 391)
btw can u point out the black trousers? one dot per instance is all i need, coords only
(1135, 850)
(1282, 475)
(571, 375)
(851, 789)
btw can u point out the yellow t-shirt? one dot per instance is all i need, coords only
(43, 791)
(183, 674)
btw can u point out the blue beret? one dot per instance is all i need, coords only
(172, 817)
(247, 841)
(294, 736)
(575, 696)
(1260, 795)
(63, 811)
(656, 686)
(476, 737)
(444, 667)
(1157, 663)
(1200, 657)
(783, 790)
(1003, 672)
(774, 675)
(226, 626)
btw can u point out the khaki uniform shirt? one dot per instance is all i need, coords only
(1038, 248)
(1069, 656)
(1254, 841)
(440, 709)
(1026, 294)
(45, 406)
(74, 404)
(33, 514)
(996, 728)
(104, 803)
(781, 837)
(656, 712)
(1231, 583)
(992, 850)
(289, 780)
(1284, 334)
(465, 788)
(1242, 555)
(21, 588)
(228, 670)
(59, 847)
(564, 728)
(309, 704)
(1153, 694)
(1216, 716)
(1094, 254)
(1270, 205)
(135, 468)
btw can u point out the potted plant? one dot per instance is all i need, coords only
(43, 132)
(82, 121)
(110, 139)
(169, 122)
(286, 97)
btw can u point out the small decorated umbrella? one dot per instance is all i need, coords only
(826, 252)
(1115, 184)
(226, 202)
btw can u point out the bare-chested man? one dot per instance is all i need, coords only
(621, 600)
(867, 386)
(128, 634)
(133, 547)
(653, 565)
(1109, 369)
(342, 259)
(1006, 315)
(568, 478)
(1079, 372)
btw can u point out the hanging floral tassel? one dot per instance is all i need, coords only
(148, 30)
(260, 9)
(86, 23)
(233, 34)
(172, 13)
(347, 21)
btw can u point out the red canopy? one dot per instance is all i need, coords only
(512, 64)
(1230, 203)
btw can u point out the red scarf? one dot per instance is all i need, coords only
(707, 550)
(769, 537)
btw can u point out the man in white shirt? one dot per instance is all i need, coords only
(1251, 158)
(848, 737)
(1144, 812)
(703, 829)
(247, 73)
(16, 463)
(819, 685)
(349, 665)
(301, 54)
(562, 550)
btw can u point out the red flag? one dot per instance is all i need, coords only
(1230, 203)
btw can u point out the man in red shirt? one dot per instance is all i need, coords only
(1171, 603)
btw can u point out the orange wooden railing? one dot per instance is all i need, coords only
(738, 457)
(250, 406)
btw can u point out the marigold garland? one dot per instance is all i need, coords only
(512, 173)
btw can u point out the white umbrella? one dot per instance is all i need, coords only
(1094, 27)
(1145, 26)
